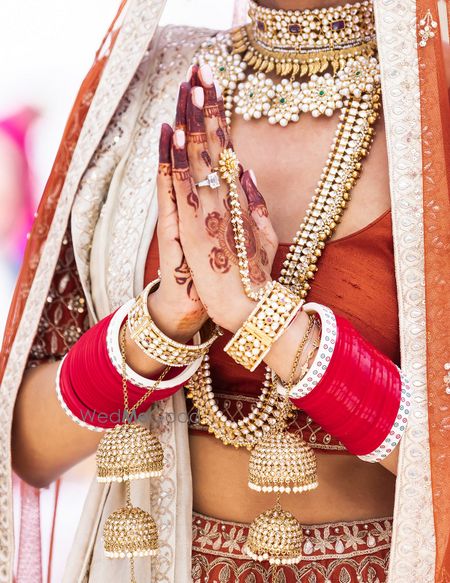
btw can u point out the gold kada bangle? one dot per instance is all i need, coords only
(154, 343)
(270, 318)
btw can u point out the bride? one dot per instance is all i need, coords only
(225, 284)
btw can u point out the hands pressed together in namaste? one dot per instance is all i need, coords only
(200, 276)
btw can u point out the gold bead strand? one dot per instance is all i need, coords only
(333, 192)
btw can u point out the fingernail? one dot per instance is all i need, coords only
(253, 177)
(218, 88)
(189, 73)
(206, 75)
(198, 97)
(179, 138)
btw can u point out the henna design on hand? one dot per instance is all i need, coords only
(183, 275)
(195, 119)
(221, 137)
(165, 146)
(221, 108)
(223, 120)
(211, 111)
(165, 170)
(197, 131)
(214, 109)
(213, 223)
(184, 175)
(180, 161)
(264, 256)
(255, 199)
(206, 158)
(219, 261)
(198, 139)
(194, 75)
(224, 254)
(211, 108)
(192, 199)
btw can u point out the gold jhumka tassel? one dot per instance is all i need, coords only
(129, 452)
(280, 462)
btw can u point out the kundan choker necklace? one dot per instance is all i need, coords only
(285, 63)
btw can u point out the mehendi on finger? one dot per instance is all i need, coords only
(211, 111)
(197, 131)
(165, 170)
(206, 158)
(211, 108)
(256, 202)
(264, 257)
(165, 146)
(183, 175)
(183, 97)
(180, 161)
(214, 109)
(223, 120)
(221, 137)
(221, 108)
(195, 119)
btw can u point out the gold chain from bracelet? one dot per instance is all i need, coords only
(150, 391)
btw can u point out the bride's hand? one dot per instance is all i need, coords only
(205, 226)
(175, 306)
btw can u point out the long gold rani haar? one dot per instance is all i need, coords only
(130, 452)
(281, 462)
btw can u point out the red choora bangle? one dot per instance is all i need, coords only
(353, 391)
(89, 381)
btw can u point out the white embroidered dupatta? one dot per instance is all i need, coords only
(112, 184)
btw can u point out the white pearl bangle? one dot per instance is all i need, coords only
(115, 355)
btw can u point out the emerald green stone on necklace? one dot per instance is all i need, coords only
(222, 68)
(282, 100)
(321, 92)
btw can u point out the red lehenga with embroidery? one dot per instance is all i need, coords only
(56, 301)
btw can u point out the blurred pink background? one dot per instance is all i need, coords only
(47, 47)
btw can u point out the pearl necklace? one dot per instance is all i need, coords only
(269, 412)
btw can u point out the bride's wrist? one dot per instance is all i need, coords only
(232, 317)
(178, 326)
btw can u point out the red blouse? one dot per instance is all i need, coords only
(356, 279)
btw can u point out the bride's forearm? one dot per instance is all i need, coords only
(45, 442)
